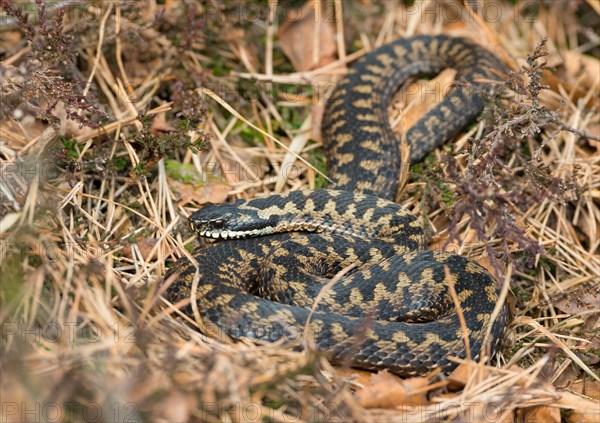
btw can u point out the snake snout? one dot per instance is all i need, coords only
(207, 224)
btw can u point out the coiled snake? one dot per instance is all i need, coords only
(389, 304)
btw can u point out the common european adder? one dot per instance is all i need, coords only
(384, 300)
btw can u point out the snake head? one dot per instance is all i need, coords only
(207, 227)
(229, 221)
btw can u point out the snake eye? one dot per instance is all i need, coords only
(218, 224)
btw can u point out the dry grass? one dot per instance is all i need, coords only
(91, 216)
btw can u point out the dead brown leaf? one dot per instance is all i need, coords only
(583, 409)
(594, 130)
(582, 301)
(540, 413)
(362, 377)
(178, 407)
(419, 97)
(213, 191)
(555, 82)
(569, 374)
(460, 376)
(160, 126)
(589, 388)
(389, 391)
(297, 40)
(582, 68)
(146, 245)
(317, 117)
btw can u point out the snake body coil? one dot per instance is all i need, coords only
(393, 307)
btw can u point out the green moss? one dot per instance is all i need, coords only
(218, 66)
(141, 170)
(250, 136)
(293, 117)
(70, 147)
(12, 279)
(320, 164)
(120, 163)
(186, 173)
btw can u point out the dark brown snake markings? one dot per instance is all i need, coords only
(393, 309)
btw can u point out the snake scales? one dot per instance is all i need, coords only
(393, 308)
